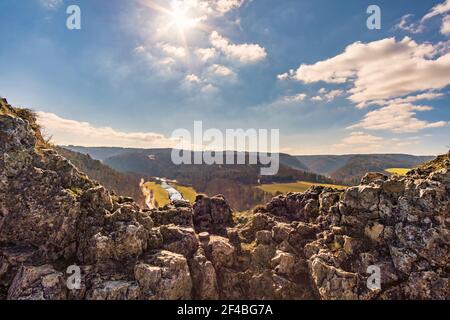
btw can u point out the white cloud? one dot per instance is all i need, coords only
(206, 54)
(437, 10)
(445, 28)
(51, 4)
(282, 102)
(65, 132)
(199, 85)
(333, 94)
(222, 71)
(382, 69)
(398, 118)
(408, 99)
(209, 88)
(417, 27)
(386, 73)
(217, 7)
(174, 51)
(295, 98)
(361, 138)
(224, 6)
(245, 53)
(325, 95)
(192, 78)
(408, 26)
(165, 61)
(139, 49)
(286, 75)
(362, 142)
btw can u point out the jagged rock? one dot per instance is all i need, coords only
(260, 221)
(212, 215)
(262, 255)
(204, 277)
(374, 231)
(351, 245)
(172, 281)
(362, 198)
(333, 283)
(263, 237)
(281, 232)
(180, 215)
(221, 251)
(114, 290)
(38, 283)
(283, 262)
(426, 285)
(179, 240)
(373, 177)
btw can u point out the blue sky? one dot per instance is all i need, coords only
(139, 69)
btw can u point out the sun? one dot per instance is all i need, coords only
(181, 19)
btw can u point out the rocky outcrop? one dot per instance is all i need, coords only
(321, 244)
(212, 214)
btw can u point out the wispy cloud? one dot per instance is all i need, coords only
(362, 142)
(245, 53)
(419, 26)
(405, 24)
(445, 27)
(437, 10)
(66, 131)
(51, 4)
(398, 118)
(325, 95)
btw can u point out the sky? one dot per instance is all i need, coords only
(139, 69)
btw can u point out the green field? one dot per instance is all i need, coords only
(188, 193)
(299, 186)
(161, 196)
(398, 171)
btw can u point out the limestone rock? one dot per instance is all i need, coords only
(212, 215)
(38, 283)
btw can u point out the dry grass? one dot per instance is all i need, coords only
(398, 171)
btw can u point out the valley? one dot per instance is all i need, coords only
(161, 192)
(242, 185)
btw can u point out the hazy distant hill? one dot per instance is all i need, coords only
(324, 164)
(294, 162)
(103, 153)
(351, 168)
(123, 184)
